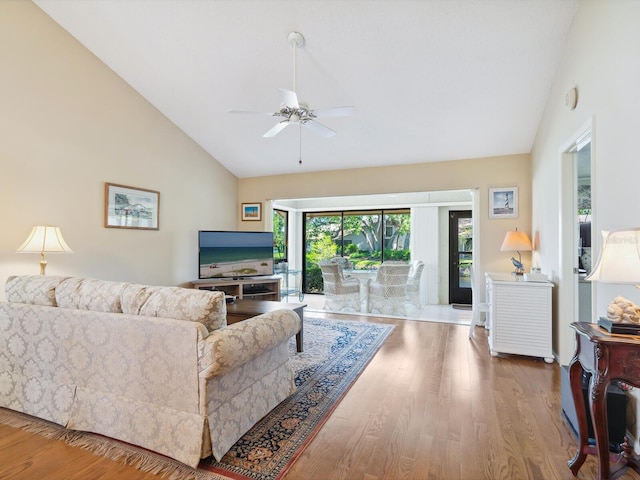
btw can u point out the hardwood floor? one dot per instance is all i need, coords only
(431, 405)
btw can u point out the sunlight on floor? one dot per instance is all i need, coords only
(429, 313)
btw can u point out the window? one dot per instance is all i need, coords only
(280, 235)
(365, 237)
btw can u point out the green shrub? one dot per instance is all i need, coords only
(314, 279)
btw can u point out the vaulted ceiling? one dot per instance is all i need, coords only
(431, 80)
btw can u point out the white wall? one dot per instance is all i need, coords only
(69, 124)
(602, 61)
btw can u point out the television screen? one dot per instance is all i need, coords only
(224, 254)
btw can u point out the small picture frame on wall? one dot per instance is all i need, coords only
(503, 202)
(131, 207)
(251, 212)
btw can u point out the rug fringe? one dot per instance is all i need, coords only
(142, 460)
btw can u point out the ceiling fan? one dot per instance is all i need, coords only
(296, 113)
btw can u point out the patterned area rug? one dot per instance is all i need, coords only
(335, 353)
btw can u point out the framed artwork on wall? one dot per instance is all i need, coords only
(503, 202)
(131, 207)
(251, 212)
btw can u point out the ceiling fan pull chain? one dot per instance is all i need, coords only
(300, 154)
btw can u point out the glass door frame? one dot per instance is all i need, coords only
(457, 293)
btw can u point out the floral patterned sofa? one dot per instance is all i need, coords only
(156, 367)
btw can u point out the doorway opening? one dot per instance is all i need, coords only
(577, 222)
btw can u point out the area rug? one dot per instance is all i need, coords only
(335, 353)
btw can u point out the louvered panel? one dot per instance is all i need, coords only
(521, 318)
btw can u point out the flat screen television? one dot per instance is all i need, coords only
(226, 254)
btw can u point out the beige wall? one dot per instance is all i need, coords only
(481, 173)
(68, 125)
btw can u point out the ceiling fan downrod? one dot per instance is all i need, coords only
(296, 39)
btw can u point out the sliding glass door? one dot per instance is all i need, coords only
(365, 238)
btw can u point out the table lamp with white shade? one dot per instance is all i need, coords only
(516, 241)
(619, 263)
(44, 239)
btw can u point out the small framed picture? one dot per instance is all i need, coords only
(503, 202)
(131, 207)
(251, 212)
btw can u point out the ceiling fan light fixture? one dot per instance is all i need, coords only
(292, 112)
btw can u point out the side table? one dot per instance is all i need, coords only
(607, 357)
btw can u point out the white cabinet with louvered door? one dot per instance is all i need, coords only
(519, 316)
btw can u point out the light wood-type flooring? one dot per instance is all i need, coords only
(431, 405)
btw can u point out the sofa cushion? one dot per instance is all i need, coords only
(33, 289)
(90, 294)
(134, 296)
(208, 308)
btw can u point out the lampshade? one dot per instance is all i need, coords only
(619, 260)
(44, 239)
(516, 241)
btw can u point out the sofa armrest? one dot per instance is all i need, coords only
(234, 345)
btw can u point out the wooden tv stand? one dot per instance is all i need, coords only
(254, 288)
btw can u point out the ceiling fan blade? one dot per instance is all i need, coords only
(319, 128)
(276, 129)
(252, 113)
(334, 112)
(289, 98)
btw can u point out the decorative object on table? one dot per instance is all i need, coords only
(535, 277)
(623, 310)
(516, 241)
(619, 263)
(503, 202)
(44, 239)
(251, 212)
(131, 207)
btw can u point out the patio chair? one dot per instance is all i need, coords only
(388, 292)
(344, 262)
(414, 283)
(340, 293)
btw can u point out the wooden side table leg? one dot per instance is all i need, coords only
(598, 405)
(575, 377)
